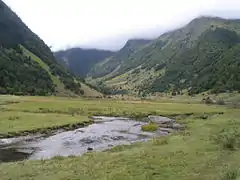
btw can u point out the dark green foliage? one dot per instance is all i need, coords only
(80, 61)
(208, 100)
(21, 75)
(231, 174)
(100, 87)
(220, 102)
(71, 85)
(212, 64)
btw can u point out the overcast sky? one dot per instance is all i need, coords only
(108, 24)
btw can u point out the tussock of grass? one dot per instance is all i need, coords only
(160, 141)
(229, 136)
(232, 174)
(151, 127)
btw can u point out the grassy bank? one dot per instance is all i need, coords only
(207, 149)
(23, 115)
(14, 124)
(19, 122)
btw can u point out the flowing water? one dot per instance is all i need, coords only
(103, 134)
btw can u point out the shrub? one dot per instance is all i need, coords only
(229, 137)
(220, 102)
(202, 116)
(232, 174)
(208, 100)
(12, 118)
(174, 93)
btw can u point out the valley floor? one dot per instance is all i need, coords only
(207, 149)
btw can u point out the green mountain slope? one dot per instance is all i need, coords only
(27, 65)
(80, 61)
(212, 64)
(203, 55)
(119, 62)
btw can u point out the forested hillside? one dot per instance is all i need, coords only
(213, 63)
(201, 56)
(19, 72)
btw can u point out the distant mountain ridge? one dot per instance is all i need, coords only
(118, 61)
(79, 61)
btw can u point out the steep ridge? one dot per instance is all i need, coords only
(201, 56)
(20, 72)
(212, 64)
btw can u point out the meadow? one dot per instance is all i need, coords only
(208, 148)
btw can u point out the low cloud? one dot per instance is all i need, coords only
(108, 24)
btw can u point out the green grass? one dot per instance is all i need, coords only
(190, 155)
(108, 107)
(151, 127)
(199, 152)
(130, 81)
(20, 114)
(89, 92)
(16, 123)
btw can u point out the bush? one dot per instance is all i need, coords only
(203, 116)
(232, 174)
(174, 93)
(151, 127)
(220, 102)
(229, 137)
(12, 118)
(208, 100)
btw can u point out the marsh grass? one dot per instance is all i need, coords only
(232, 174)
(25, 113)
(160, 141)
(150, 127)
(229, 136)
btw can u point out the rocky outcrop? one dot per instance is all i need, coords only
(161, 120)
(90, 149)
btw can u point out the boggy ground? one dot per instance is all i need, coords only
(207, 149)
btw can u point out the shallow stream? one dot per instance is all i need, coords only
(104, 134)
